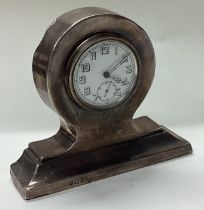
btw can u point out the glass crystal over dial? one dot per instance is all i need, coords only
(105, 74)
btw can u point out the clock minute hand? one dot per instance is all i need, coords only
(119, 62)
(115, 65)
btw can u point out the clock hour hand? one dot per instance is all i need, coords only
(116, 79)
(119, 80)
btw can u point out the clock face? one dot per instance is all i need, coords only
(105, 74)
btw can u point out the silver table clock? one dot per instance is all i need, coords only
(93, 68)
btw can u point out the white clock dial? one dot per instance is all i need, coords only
(105, 74)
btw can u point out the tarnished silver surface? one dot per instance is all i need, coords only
(91, 144)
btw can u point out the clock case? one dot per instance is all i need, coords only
(91, 144)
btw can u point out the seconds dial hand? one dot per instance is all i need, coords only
(106, 91)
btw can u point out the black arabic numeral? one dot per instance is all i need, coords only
(93, 56)
(125, 81)
(82, 79)
(87, 91)
(129, 69)
(104, 50)
(116, 51)
(117, 92)
(86, 67)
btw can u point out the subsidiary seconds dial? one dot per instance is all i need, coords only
(104, 74)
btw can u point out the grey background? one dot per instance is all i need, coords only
(175, 27)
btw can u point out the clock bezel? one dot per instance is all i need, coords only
(79, 51)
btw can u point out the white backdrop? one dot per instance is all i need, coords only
(175, 100)
(175, 27)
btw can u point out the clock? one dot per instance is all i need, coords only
(93, 68)
(103, 72)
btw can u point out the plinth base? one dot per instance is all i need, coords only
(34, 178)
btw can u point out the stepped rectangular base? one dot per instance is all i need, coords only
(34, 178)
